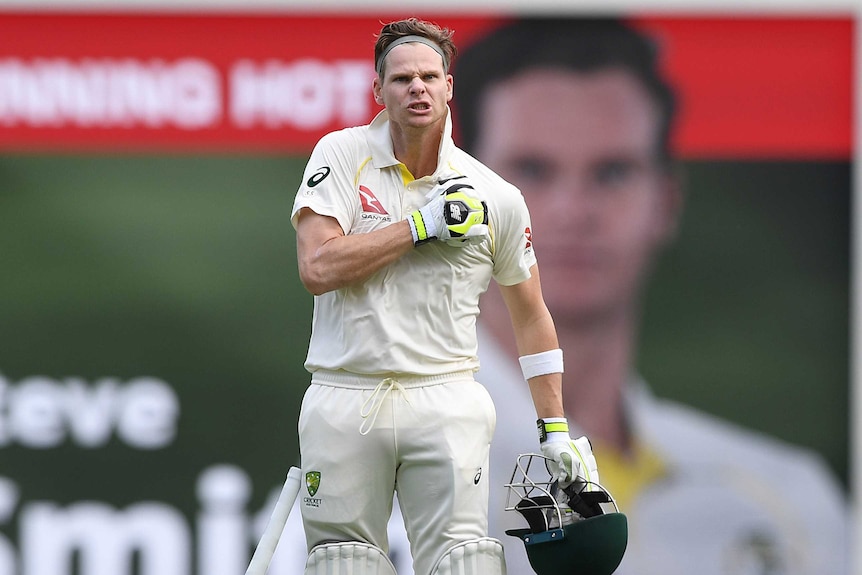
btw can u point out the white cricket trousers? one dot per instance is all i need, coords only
(429, 438)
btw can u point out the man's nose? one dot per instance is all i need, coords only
(417, 86)
(570, 200)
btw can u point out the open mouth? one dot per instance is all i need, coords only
(420, 107)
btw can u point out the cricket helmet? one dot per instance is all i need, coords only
(577, 530)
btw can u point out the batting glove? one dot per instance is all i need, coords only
(451, 215)
(569, 461)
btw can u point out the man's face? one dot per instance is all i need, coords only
(582, 148)
(415, 88)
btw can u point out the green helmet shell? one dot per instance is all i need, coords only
(573, 530)
(593, 546)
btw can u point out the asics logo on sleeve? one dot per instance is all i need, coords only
(318, 176)
(369, 202)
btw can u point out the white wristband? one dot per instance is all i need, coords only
(542, 363)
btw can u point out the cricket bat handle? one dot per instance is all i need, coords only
(269, 540)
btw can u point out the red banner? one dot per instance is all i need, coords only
(755, 87)
(761, 87)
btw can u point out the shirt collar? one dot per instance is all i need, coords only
(380, 142)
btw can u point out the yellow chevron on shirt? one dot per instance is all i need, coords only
(406, 176)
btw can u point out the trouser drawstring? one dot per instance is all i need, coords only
(376, 402)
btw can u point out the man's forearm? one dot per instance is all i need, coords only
(345, 260)
(546, 391)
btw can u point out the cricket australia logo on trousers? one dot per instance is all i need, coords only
(312, 484)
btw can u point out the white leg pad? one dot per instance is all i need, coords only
(348, 558)
(474, 557)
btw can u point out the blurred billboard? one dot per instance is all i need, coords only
(152, 324)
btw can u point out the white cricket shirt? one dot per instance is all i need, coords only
(417, 315)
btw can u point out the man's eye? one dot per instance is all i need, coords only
(614, 173)
(531, 170)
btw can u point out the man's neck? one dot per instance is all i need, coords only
(598, 360)
(417, 149)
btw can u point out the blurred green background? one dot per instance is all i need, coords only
(748, 316)
(183, 268)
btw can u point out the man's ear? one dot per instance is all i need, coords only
(377, 90)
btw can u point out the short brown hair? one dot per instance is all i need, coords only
(569, 44)
(415, 27)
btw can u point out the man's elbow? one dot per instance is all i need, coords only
(314, 283)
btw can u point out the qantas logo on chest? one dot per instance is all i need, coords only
(370, 203)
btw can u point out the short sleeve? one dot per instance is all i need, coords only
(327, 183)
(513, 244)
